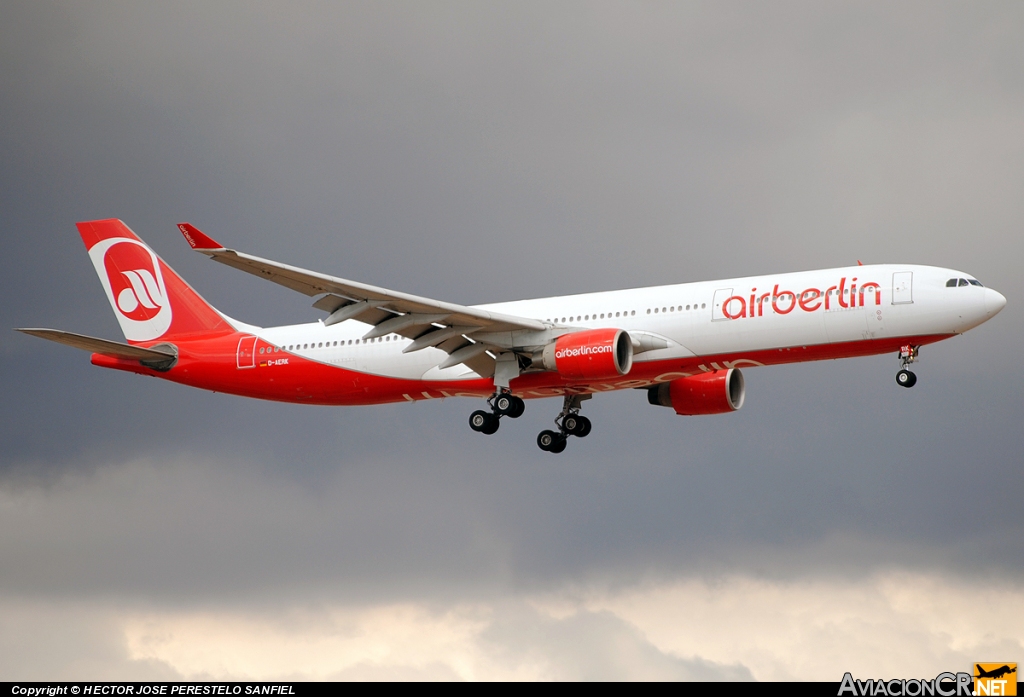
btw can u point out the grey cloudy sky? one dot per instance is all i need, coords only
(487, 151)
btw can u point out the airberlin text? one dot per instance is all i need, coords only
(943, 685)
(840, 296)
(582, 351)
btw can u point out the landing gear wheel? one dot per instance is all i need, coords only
(583, 430)
(905, 378)
(509, 405)
(520, 408)
(551, 442)
(483, 422)
(576, 425)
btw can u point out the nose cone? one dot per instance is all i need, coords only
(994, 302)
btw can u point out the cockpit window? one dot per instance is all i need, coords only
(975, 282)
(951, 283)
(963, 282)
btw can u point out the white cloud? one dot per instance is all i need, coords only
(889, 625)
(895, 624)
(117, 575)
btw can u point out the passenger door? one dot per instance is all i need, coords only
(903, 288)
(246, 356)
(716, 307)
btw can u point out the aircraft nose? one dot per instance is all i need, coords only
(994, 301)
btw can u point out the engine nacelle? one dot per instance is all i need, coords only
(597, 354)
(719, 392)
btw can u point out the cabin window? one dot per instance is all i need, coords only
(963, 282)
(973, 282)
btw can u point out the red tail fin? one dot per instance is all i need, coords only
(149, 300)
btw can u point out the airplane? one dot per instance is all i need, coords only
(685, 344)
(995, 673)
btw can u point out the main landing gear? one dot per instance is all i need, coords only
(570, 423)
(908, 354)
(502, 404)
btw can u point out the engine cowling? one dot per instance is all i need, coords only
(597, 354)
(720, 392)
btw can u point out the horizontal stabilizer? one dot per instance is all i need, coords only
(103, 346)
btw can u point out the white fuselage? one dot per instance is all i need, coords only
(902, 301)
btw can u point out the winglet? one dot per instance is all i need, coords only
(197, 239)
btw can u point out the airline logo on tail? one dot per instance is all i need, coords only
(131, 276)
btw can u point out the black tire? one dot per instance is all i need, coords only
(519, 409)
(504, 404)
(559, 445)
(478, 420)
(492, 426)
(585, 427)
(547, 439)
(571, 423)
(905, 378)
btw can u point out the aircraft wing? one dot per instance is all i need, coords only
(102, 346)
(428, 322)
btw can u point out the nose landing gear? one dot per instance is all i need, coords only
(570, 423)
(906, 378)
(502, 404)
(908, 354)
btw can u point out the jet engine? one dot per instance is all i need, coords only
(719, 392)
(597, 354)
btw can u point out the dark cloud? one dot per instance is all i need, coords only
(480, 152)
